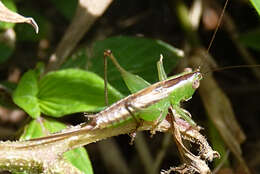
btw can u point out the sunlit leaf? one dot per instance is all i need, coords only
(256, 4)
(73, 90)
(25, 95)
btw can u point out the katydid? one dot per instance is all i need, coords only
(149, 104)
(157, 111)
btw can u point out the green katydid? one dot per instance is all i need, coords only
(149, 104)
(158, 111)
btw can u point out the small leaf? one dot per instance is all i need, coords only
(32, 130)
(256, 4)
(7, 15)
(73, 90)
(25, 95)
(137, 55)
(251, 39)
(77, 157)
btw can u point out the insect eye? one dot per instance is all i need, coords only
(196, 84)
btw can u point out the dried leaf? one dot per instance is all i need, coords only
(220, 111)
(191, 162)
(7, 15)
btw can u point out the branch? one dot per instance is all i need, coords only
(44, 154)
(88, 11)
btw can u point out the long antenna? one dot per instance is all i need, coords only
(215, 32)
(233, 67)
(218, 25)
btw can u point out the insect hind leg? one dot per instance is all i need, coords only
(139, 122)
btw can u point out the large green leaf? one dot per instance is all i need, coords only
(256, 4)
(62, 92)
(137, 55)
(77, 157)
(25, 95)
(73, 90)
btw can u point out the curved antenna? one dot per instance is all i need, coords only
(212, 40)
(218, 25)
(216, 30)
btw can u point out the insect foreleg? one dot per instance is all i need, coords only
(184, 114)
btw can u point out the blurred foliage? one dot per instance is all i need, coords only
(77, 86)
(256, 4)
(251, 39)
(66, 8)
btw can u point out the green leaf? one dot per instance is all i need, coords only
(137, 55)
(25, 95)
(32, 130)
(256, 4)
(73, 90)
(11, 6)
(35, 130)
(77, 157)
(251, 39)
